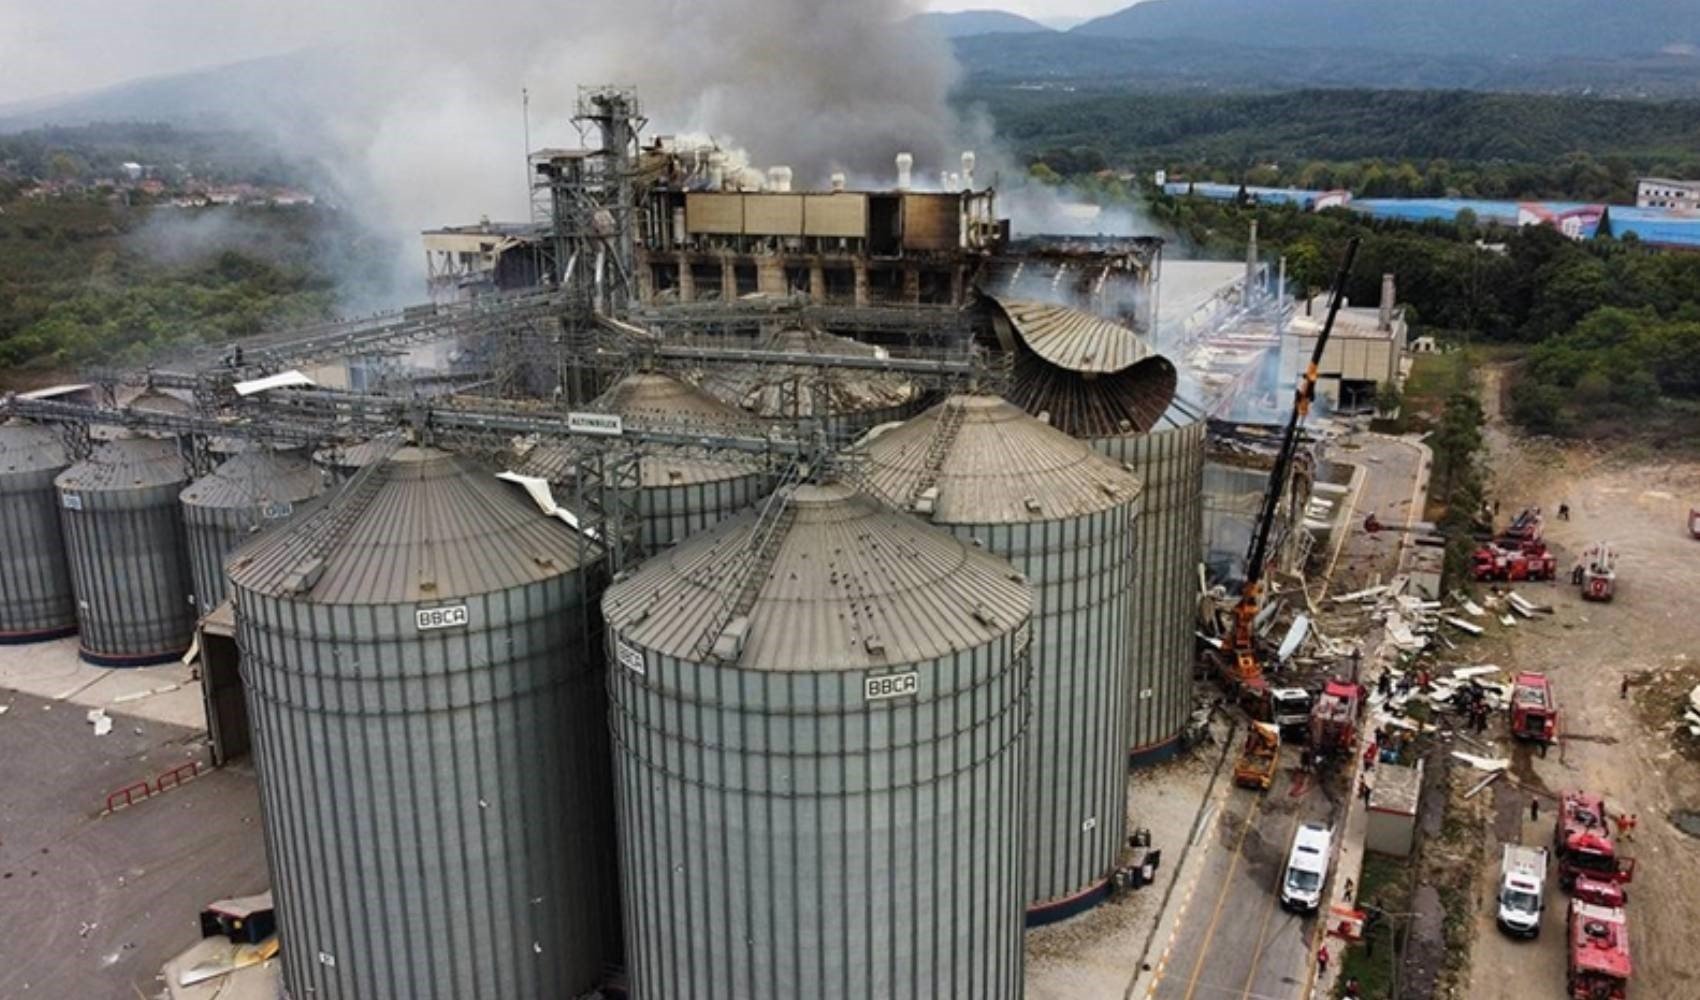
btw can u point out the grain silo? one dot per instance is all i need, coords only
(1064, 515)
(818, 709)
(1169, 537)
(129, 562)
(343, 460)
(431, 734)
(846, 401)
(255, 489)
(680, 490)
(36, 598)
(1098, 381)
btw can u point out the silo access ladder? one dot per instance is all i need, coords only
(751, 571)
(949, 425)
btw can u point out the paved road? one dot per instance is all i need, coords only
(1395, 481)
(1230, 937)
(1233, 939)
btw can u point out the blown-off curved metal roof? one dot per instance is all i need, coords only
(852, 585)
(1132, 401)
(127, 464)
(433, 526)
(1073, 339)
(257, 476)
(1001, 467)
(31, 448)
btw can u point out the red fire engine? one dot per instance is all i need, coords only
(1334, 718)
(1525, 561)
(1534, 711)
(1599, 953)
(1583, 843)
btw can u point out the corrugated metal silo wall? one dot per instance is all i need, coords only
(36, 598)
(783, 837)
(438, 804)
(1081, 572)
(213, 533)
(130, 566)
(673, 513)
(1169, 539)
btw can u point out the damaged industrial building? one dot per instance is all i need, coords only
(720, 587)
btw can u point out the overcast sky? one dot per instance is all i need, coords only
(50, 47)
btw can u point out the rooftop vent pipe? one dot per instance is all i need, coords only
(968, 169)
(905, 171)
(1385, 319)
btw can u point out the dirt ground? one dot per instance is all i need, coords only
(1619, 746)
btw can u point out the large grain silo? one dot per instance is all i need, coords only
(680, 490)
(1099, 382)
(818, 712)
(256, 489)
(845, 401)
(343, 460)
(1064, 515)
(36, 598)
(431, 735)
(129, 561)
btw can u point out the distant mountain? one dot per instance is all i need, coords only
(968, 23)
(1505, 28)
(1067, 61)
(272, 92)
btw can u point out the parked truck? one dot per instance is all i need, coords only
(1290, 711)
(1522, 886)
(1534, 710)
(1259, 757)
(1334, 718)
(1599, 967)
(1596, 572)
(1588, 860)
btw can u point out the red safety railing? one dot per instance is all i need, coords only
(129, 795)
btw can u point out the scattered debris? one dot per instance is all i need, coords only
(100, 720)
(1461, 624)
(1482, 763)
(1490, 779)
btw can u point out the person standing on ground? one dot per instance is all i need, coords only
(1623, 687)
(1322, 959)
(1534, 810)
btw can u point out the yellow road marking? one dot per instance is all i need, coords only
(1222, 898)
(1263, 928)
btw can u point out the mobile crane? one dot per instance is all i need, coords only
(1243, 673)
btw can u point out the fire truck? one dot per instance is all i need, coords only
(1534, 711)
(1510, 563)
(1334, 718)
(1527, 527)
(1588, 861)
(1599, 953)
(1596, 572)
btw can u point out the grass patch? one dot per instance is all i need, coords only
(1433, 377)
(1386, 883)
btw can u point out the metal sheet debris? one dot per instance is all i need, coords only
(1482, 763)
(1295, 635)
(1461, 624)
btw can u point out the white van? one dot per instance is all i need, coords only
(1307, 868)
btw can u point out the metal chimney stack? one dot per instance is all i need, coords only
(905, 171)
(1385, 320)
(1251, 264)
(968, 169)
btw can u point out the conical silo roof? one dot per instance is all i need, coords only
(30, 448)
(427, 526)
(659, 399)
(257, 476)
(154, 401)
(350, 457)
(649, 395)
(981, 460)
(845, 584)
(126, 464)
